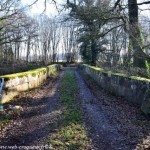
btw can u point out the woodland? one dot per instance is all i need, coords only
(110, 34)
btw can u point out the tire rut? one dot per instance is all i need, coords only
(104, 133)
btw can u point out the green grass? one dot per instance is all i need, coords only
(72, 133)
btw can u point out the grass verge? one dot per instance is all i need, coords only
(72, 133)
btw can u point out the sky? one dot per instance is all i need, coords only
(51, 10)
(39, 7)
(146, 8)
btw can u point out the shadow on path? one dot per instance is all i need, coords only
(113, 122)
(37, 120)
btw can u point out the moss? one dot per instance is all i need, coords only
(23, 74)
(31, 72)
(34, 72)
(147, 68)
(140, 78)
(118, 74)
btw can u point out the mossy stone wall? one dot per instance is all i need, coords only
(134, 89)
(16, 83)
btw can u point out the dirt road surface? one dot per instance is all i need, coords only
(112, 123)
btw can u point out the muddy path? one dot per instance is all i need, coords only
(104, 132)
(111, 122)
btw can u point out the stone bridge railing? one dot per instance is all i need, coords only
(134, 89)
(13, 84)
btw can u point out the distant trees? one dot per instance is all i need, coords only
(69, 41)
(24, 38)
(15, 28)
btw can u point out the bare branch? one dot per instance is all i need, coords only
(147, 2)
(116, 4)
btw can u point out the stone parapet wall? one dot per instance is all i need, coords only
(16, 83)
(134, 89)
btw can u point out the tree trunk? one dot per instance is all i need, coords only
(28, 49)
(18, 50)
(94, 53)
(135, 34)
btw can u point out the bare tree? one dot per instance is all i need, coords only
(70, 40)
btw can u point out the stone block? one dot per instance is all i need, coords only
(22, 87)
(145, 107)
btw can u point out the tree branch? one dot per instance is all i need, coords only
(148, 2)
(118, 1)
(112, 29)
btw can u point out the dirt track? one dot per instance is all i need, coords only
(111, 121)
